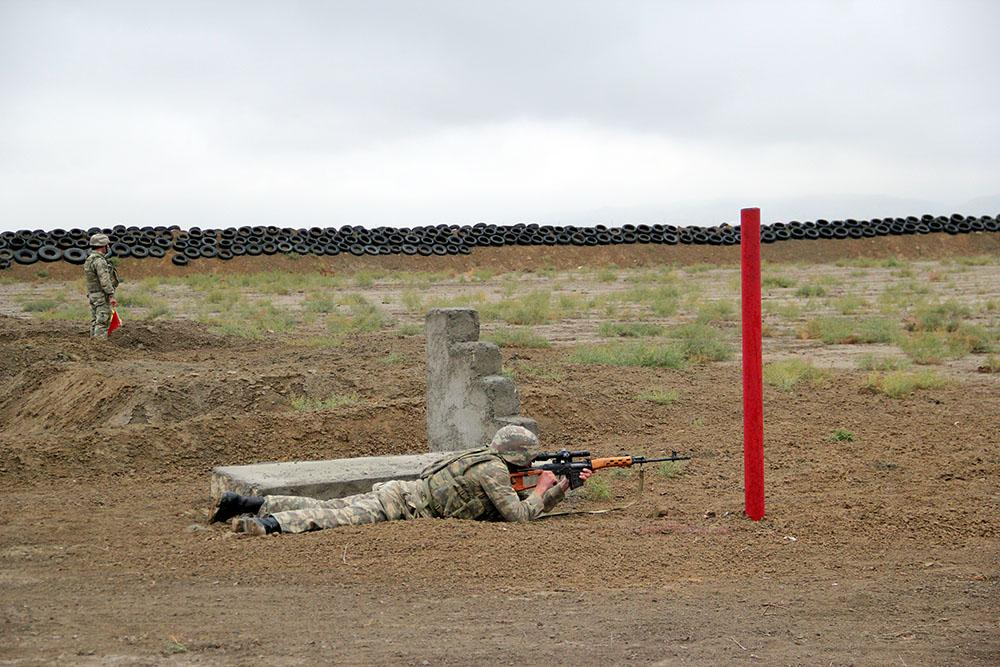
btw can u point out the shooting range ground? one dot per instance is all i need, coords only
(879, 546)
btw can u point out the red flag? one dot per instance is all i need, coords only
(115, 321)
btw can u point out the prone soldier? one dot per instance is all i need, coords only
(473, 484)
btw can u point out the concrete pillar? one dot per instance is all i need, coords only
(467, 398)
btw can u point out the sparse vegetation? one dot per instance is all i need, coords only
(842, 435)
(597, 489)
(871, 362)
(660, 396)
(630, 354)
(670, 469)
(806, 291)
(702, 343)
(307, 404)
(844, 330)
(787, 373)
(517, 337)
(903, 383)
(629, 329)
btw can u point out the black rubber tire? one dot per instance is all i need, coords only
(254, 249)
(356, 249)
(25, 256)
(156, 251)
(75, 255)
(4, 264)
(225, 254)
(179, 260)
(49, 253)
(209, 251)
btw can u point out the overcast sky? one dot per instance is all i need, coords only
(408, 112)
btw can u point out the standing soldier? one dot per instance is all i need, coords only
(102, 281)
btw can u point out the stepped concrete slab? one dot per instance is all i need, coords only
(334, 478)
(467, 397)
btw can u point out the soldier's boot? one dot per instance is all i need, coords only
(233, 504)
(256, 525)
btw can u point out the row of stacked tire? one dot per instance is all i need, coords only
(185, 246)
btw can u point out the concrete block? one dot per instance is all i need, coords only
(465, 391)
(501, 394)
(333, 478)
(517, 420)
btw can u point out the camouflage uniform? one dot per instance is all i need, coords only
(468, 485)
(102, 280)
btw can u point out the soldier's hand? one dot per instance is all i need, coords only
(113, 301)
(584, 474)
(546, 481)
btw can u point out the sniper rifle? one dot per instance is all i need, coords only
(564, 463)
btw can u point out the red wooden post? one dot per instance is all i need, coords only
(753, 378)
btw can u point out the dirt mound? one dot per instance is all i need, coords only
(167, 336)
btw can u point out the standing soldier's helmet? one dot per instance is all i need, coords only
(99, 240)
(516, 445)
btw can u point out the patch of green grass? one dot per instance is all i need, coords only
(251, 320)
(364, 279)
(787, 373)
(978, 260)
(935, 347)
(73, 311)
(871, 362)
(517, 337)
(702, 343)
(662, 300)
(157, 310)
(542, 373)
(629, 329)
(392, 359)
(137, 299)
(777, 282)
(660, 396)
(947, 316)
(700, 268)
(842, 435)
(846, 330)
(597, 489)
(849, 304)
(483, 275)
(722, 310)
(606, 275)
(630, 354)
(903, 383)
(786, 310)
(364, 317)
(307, 404)
(407, 330)
(670, 469)
(319, 302)
(41, 305)
(531, 309)
(806, 291)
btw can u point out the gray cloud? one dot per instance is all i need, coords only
(225, 112)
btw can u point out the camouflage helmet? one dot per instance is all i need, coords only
(99, 240)
(516, 445)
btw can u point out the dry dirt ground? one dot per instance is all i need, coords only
(881, 550)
